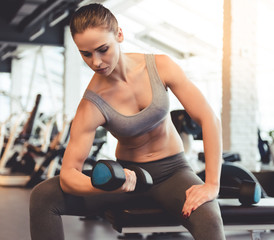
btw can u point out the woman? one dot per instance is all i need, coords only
(128, 96)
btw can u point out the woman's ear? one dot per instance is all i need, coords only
(120, 35)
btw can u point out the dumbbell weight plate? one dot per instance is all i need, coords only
(144, 179)
(107, 175)
(250, 193)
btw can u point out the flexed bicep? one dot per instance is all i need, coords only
(83, 130)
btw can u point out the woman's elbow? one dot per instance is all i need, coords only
(217, 125)
(63, 181)
(211, 119)
(217, 121)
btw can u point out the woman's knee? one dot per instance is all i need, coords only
(206, 220)
(208, 213)
(45, 195)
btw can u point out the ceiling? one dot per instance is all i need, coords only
(181, 27)
(27, 21)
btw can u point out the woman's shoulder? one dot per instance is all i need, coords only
(164, 61)
(99, 85)
(161, 58)
(167, 68)
(88, 116)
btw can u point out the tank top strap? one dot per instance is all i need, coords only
(98, 101)
(153, 72)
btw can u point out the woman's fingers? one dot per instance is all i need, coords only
(130, 182)
(198, 195)
(193, 200)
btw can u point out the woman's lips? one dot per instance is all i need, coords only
(101, 70)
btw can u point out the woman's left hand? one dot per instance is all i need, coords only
(198, 195)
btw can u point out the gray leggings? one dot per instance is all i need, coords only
(48, 202)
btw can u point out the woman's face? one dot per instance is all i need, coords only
(99, 49)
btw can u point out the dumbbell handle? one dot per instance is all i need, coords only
(248, 192)
(144, 179)
(109, 175)
(228, 192)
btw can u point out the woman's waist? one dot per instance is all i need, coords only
(149, 150)
(145, 155)
(161, 168)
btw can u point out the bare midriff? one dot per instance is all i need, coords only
(161, 142)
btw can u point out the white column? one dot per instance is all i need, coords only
(72, 76)
(240, 103)
(16, 85)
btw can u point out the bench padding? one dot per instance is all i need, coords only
(233, 213)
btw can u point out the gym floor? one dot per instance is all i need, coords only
(14, 223)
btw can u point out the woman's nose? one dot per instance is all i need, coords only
(96, 61)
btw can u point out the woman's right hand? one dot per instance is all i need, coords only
(130, 183)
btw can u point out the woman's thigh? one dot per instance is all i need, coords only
(171, 193)
(205, 222)
(48, 196)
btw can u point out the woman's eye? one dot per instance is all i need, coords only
(86, 54)
(103, 50)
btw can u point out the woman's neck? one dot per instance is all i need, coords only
(124, 65)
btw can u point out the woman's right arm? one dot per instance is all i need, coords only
(82, 134)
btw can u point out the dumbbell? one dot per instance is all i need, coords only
(248, 192)
(109, 175)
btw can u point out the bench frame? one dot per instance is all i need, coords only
(122, 220)
(255, 230)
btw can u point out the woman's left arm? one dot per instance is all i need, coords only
(200, 111)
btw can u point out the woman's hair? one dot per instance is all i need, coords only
(92, 16)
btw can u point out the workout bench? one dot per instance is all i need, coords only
(255, 219)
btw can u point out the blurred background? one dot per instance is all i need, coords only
(224, 47)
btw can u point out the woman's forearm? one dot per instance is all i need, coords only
(74, 182)
(212, 138)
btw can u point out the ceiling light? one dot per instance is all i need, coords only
(58, 18)
(37, 33)
(6, 55)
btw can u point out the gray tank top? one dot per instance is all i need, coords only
(142, 122)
